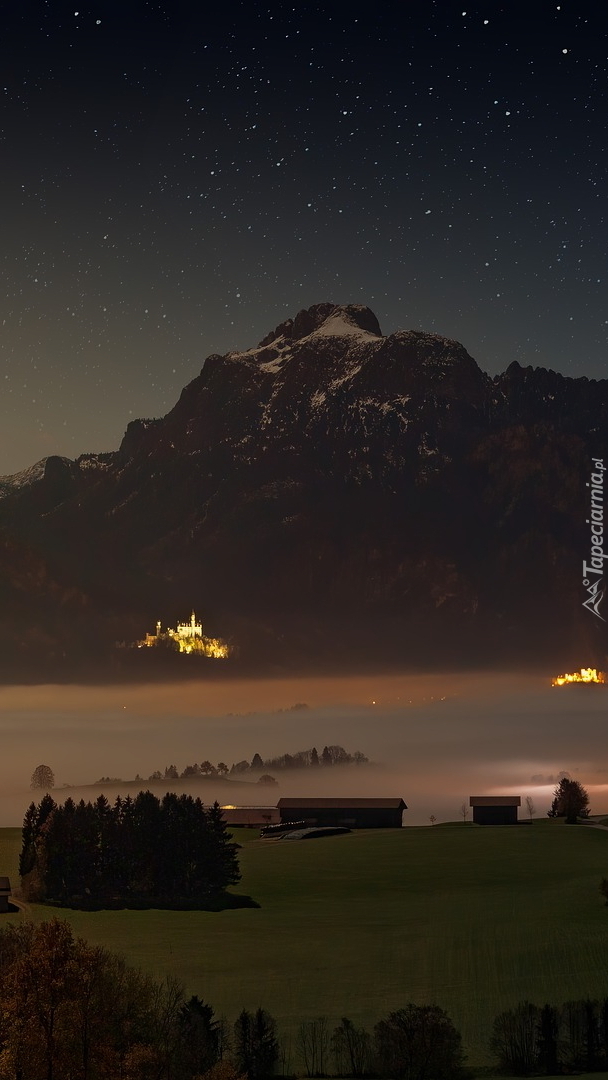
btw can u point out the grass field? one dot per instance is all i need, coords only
(473, 919)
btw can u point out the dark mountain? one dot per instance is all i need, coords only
(332, 496)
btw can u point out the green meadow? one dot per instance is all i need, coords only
(472, 919)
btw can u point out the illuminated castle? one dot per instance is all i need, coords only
(586, 675)
(189, 638)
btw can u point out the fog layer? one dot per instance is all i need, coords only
(434, 740)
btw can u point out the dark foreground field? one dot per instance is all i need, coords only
(473, 919)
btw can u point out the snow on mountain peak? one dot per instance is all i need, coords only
(26, 477)
(343, 322)
(338, 320)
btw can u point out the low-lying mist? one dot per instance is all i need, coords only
(433, 739)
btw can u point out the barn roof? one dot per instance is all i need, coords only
(495, 800)
(339, 804)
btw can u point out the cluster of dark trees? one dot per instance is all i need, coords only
(308, 759)
(170, 851)
(570, 800)
(206, 768)
(302, 759)
(418, 1042)
(533, 1040)
(74, 1010)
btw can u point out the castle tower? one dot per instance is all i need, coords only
(192, 629)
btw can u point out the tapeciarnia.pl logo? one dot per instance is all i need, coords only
(593, 571)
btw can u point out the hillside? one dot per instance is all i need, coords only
(473, 919)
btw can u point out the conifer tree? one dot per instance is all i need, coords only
(199, 1037)
(570, 800)
(256, 1048)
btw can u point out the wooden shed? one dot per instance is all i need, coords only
(495, 809)
(5, 892)
(350, 813)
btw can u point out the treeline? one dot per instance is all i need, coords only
(534, 1040)
(302, 759)
(418, 1042)
(144, 850)
(311, 759)
(75, 1010)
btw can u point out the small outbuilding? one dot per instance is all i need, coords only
(347, 813)
(5, 892)
(495, 809)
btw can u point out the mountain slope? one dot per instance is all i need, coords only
(335, 495)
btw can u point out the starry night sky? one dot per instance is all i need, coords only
(178, 178)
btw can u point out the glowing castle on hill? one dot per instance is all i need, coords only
(189, 638)
(585, 675)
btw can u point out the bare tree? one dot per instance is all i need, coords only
(464, 810)
(515, 1038)
(418, 1042)
(432, 819)
(351, 1049)
(531, 806)
(312, 1044)
(285, 1055)
(224, 1044)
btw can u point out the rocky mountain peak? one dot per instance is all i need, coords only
(52, 469)
(331, 319)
